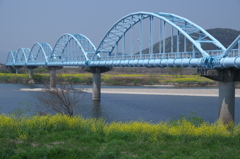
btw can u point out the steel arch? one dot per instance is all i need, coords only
(21, 55)
(11, 57)
(231, 46)
(38, 48)
(82, 41)
(183, 25)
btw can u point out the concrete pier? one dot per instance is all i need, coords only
(96, 80)
(52, 71)
(226, 101)
(52, 78)
(226, 78)
(30, 73)
(17, 70)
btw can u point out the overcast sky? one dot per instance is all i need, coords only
(24, 22)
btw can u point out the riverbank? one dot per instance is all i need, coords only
(211, 92)
(115, 79)
(60, 136)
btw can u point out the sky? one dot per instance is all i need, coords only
(25, 22)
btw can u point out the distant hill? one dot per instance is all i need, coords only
(224, 35)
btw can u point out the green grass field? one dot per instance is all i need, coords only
(60, 136)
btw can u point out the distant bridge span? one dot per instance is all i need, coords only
(140, 40)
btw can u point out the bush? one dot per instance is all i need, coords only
(40, 78)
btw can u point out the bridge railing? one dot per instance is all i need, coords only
(153, 56)
(175, 55)
(214, 52)
(71, 59)
(232, 53)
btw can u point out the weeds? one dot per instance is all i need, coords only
(109, 79)
(25, 127)
(61, 136)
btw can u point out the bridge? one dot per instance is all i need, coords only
(142, 39)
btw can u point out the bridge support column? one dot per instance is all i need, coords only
(226, 78)
(52, 78)
(30, 73)
(17, 69)
(96, 80)
(226, 101)
(52, 70)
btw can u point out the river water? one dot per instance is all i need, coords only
(118, 107)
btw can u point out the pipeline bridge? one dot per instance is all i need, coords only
(142, 39)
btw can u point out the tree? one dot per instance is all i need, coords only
(175, 71)
(63, 99)
(4, 69)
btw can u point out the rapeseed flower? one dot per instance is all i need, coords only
(24, 127)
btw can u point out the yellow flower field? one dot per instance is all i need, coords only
(24, 127)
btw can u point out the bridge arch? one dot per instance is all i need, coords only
(191, 31)
(21, 55)
(40, 53)
(72, 47)
(11, 57)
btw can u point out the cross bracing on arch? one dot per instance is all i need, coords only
(11, 57)
(191, 34)
(21, 55)
(39, 53)
(230, 51)
(72, 48)
(141, 39)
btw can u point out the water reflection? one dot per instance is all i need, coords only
(120, 107)
(96, 109)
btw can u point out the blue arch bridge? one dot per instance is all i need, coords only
(140, 40)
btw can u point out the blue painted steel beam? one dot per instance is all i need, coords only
(234, 43)
(223, 58)
(11, 57)
(227, 62)
(21, 55)
(173, 20)
(38, 50)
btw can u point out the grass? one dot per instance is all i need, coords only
(60, 136)
(113, 79)
(155, 79)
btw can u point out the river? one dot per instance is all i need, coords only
(120, 106)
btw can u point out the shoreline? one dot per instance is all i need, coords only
(212, 92)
